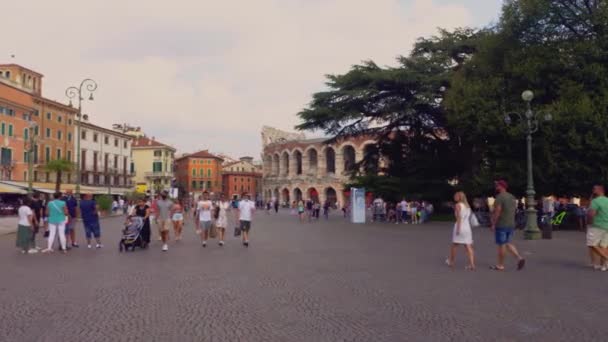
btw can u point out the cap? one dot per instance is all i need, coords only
(502, 183)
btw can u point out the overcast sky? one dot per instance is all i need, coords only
(210, 73)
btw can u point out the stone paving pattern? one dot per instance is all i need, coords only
(328, 281)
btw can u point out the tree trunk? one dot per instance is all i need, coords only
(58, 182)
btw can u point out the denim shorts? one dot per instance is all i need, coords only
(92, 229)
(206, 225)
(503, 235)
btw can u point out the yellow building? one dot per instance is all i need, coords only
(152, 164)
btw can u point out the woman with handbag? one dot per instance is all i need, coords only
(221, 221)
(58, 217)
(462, 234)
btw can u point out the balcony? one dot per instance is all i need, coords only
(159, 174)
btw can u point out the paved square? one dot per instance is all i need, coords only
(327, 281)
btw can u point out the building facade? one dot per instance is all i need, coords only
(30, 120)
(199, 172)
(105, 157)
(242, 176)
(153, 164)
(297, 168)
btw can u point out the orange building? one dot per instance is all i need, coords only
(26, 113)
(242, 176)
(198, 172)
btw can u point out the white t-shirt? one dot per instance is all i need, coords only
(204, 210)
(246, 207)
(24, 212)
(403, 206)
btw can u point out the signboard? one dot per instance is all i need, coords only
(357, 205)
(141, 188)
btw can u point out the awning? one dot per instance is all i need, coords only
(11, 189)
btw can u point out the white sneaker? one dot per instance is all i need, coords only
(597, 267)
(32, 251)
(99, 246)
(604, 268)
(221, 243)
(165, 248)
(89, 246)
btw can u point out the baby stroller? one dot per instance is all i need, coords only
(131, 235)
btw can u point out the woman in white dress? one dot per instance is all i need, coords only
(462, 234)
(222, 218)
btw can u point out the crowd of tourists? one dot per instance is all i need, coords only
(57, 219)
(407, 212)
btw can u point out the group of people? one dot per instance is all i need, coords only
(405, 211)
(209, 216)
(310, 209)
(57, 218)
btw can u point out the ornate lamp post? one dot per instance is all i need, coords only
(87, 85)
(30, 157)
(529, 121)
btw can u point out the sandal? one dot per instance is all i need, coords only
(497, 268)
(448, 263)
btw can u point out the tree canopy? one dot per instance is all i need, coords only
(439, 113)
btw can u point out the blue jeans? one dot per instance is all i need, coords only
(503, 235)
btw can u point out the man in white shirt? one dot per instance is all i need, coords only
(403, 211)
(246, 208)
(203, 210)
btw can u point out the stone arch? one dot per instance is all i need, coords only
(371, 155)
(330, 160)
(285, 196)
(276, 165)
(297, 194)
(285, 163)
(312, 194)
(313, 160)
(331, 195)
(349, 155)
(297, 161)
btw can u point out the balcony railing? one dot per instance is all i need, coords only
(158, 174)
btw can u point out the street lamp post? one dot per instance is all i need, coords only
(530, 123)
(87, 85)
(30, 159)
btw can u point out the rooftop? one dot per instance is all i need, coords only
(201, 154)
(146, 142)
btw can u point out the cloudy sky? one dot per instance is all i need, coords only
(210, 73)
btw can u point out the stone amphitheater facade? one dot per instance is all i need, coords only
(299, 168)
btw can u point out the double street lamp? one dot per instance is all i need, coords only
(530, 122)
(87, 85)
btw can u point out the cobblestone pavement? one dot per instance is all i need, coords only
(328, 281)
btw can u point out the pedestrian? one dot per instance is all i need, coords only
(293, 211)
(301, 210)
(221, 223)
(326, 207)
(462, 234)
(89, 212)
(143, 210)
(204, 208)
(309, 210)
(414, 212)
(38, 208)
(57, 217)
(114, 206)
(154, 214)
(25, 228)
(246, 209)
(70, 227)
(503, 225)
(121, 205)
(177, 216)
(597, 233)
(163, 217)
(131, 208)
(276, 206)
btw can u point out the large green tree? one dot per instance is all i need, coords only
(402, 106)
(558, 50)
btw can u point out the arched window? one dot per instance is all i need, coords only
(349, 158)
(330, 160)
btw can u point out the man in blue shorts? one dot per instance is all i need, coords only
(503, 225)
(90, 218)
